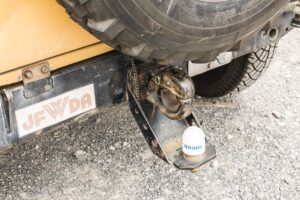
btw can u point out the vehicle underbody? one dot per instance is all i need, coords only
(160, 93)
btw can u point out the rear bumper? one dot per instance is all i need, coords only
(107, 73)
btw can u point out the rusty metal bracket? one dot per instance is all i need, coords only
(172, 91)
(37, 80)
(164, 136)
(35, 73)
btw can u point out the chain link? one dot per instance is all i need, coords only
(134, 79)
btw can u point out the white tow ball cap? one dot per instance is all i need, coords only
(193, 141)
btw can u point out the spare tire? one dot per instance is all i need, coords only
(172, 31)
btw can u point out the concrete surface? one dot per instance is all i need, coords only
(256, 133)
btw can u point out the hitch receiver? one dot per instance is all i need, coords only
(163, 134)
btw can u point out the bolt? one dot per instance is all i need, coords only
(47, 87)
(44, 69)
(28, 74)
(157, 80)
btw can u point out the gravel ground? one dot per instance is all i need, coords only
(256, 133)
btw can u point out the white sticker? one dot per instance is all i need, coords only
(57, 109)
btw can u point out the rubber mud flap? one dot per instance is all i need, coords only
(173, 31)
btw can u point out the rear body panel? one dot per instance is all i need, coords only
(32, 31)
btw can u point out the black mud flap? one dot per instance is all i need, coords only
(164, 136)
(105, 75)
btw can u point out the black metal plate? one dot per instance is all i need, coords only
(107, 72)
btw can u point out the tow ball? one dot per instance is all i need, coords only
(161, 99)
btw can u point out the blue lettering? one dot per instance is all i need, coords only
(192, 147)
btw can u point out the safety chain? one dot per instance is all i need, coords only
(134, 79)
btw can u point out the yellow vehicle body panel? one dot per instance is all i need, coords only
(33, 31)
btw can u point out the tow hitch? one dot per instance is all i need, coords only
(160, 98)
(161, 101)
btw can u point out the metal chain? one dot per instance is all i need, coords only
(134, 79)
